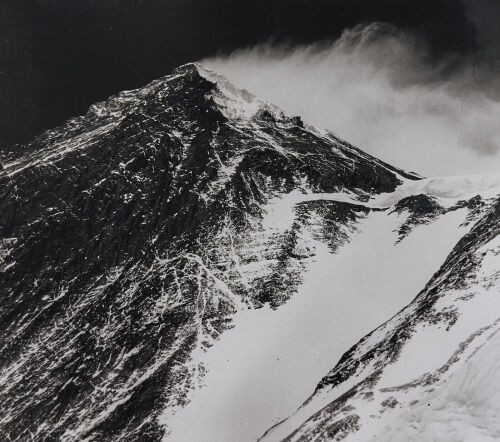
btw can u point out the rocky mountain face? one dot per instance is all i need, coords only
(133, 240)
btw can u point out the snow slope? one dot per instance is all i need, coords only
(261, 370)
(448, 190)
(465, 408)
(416, 377)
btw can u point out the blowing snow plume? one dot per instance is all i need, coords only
(380, 88)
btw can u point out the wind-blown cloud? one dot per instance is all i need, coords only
(380, 89)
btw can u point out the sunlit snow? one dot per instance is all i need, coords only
(261, 370)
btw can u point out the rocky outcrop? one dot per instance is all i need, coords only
(127, 237)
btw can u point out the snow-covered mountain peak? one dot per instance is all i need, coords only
(185, 241)
(236, 103)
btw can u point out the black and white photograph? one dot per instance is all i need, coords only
(249, 221)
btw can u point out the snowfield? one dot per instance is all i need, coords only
(260, 371)
(433, 390)
(466, 408)
(466, 405)
(448, 190)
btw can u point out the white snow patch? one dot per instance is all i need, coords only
(261, 370)
(237, 103)
(280, 209)
(448, 190)
(465, 408)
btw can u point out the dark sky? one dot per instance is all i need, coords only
(59, 56)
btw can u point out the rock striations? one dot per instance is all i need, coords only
(133, 236)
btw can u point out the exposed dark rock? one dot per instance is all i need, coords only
(297, 121)
(122, 233)
(421, 209)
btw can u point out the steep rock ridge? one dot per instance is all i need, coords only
(129, 237)
(414, 378)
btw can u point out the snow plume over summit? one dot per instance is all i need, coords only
(382, 89)
(195, 262)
